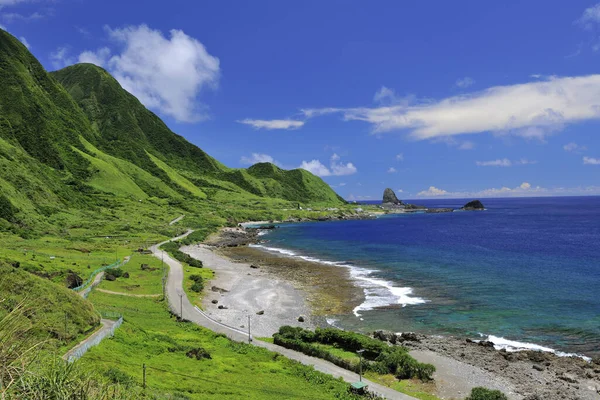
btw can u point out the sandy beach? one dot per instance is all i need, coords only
(246, 291)
(285, 288)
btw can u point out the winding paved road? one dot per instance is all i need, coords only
(179, 303)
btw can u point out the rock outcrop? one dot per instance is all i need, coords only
(390, 200)
(473, 205)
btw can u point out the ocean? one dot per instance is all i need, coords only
(524, 273)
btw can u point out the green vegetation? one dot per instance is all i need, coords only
(57, 315)
(480, 393)
(340, 347)
(182, 358)
(173, 249)
(87, 176)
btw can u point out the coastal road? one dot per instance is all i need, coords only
(179, 304)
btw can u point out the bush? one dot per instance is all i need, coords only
(480, 393)
(115, 375)
(173, 249)
(384, 359)
(198, 284)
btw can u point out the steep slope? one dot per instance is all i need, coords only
(37, 113)
(130, 131)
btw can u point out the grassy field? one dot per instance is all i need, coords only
(140, 282)
(151, 336)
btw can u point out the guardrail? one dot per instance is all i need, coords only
(77, 353)
(96, 272)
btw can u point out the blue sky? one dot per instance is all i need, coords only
(455, 99)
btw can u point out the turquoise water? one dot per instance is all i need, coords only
(525, 272)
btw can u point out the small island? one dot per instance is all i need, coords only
(392, 204)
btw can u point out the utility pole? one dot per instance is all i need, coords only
(144, 378)
(360, 364)
(249, 336)
(181, 306)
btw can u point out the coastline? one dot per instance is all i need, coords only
(461, 363)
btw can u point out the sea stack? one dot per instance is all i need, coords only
(389, 198)
(473, 205)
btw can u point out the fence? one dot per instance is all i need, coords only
(96, 272)
(80, 350)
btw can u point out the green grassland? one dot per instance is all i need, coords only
(140, 282)
(151, 336)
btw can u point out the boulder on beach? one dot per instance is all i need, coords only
(389, 197)
(473, 205)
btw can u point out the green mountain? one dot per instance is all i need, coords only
(72, 135)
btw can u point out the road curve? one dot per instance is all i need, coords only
(179, 304)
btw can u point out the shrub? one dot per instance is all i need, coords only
(115, 375)
(480, 393)
(198, 284)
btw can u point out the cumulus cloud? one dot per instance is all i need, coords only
(391, 170)
(574, 148)
(166, 73)
(531, 110)
(387, 96)
(590, 16)
(273, 123)
(99, 57)
(591, 161)
(400, 157)
(256, 158)
(335, 168)
(400, 191)
(464, 82)
(432, 191)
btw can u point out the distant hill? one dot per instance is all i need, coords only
(76, 133)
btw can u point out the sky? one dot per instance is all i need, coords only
(432, 99)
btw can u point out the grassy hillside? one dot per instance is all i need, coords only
(48, 306)
(131, 132)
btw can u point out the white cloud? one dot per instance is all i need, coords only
(464, 82)
(466, 145)
(60, 58)
(335, 168)
(165, 73)
(523, 190)
(590, 16)
(505, 162)
(391, 170)
(359, 198)
(99, 57)
(315, 167)
(273, 124)
(531, 110)
(256, 158)
(432, 191)
(591, 161)
(574, 147)
(387, 96)
(10, 17)
(400, 191)
(25, 42)
(400, 157)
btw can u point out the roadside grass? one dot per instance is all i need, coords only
(207, 274)
(151, 336)
(140, 281)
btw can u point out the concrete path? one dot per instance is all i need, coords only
(179, 304)
(127, 294)
(176, 220)
(107, 325)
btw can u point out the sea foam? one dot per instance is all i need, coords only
(378, 292)
(513, 346)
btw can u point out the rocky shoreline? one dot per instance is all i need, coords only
(528, 374)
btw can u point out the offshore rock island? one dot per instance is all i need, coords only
(390, 203)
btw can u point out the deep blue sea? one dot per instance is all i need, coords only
(523, 273)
